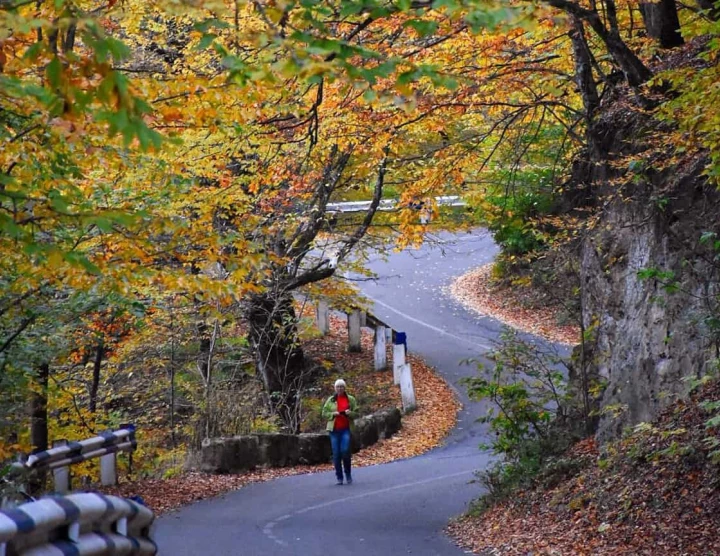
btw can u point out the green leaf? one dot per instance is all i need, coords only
(81, 260)
(103, 224)
(9, 228)
(713, 422)
(423, 27)
(706, 237)
(636, 166)
(205, 25)
(53, 71)
(206, 40)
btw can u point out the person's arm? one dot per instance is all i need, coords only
(353, 406)
(328, 412)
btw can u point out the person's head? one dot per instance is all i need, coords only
(339, 386)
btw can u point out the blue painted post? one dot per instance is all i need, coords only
(399, 354)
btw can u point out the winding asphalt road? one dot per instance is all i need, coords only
(396, 508)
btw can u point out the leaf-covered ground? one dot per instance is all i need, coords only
(422, 429)
(653, 492)
(514, 306)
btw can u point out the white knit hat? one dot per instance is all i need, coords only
(339, 382)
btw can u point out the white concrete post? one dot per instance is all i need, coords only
(398, 361)
(323, 317)
(61, 475)
(363, 319)
(354, 331)
(388, 335)
(108, 469)
(380, 349)
(407, 391)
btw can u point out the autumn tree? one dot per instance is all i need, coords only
(183, 156)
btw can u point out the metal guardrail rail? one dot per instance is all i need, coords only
(105, 443)
(391, 204)
(65, 453)
(78, 524)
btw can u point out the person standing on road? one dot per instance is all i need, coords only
(339, 411)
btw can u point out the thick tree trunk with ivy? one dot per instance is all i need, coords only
(279, 357)
(273, 334)
(662, 23)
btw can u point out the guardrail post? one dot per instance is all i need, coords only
(398, 361)
(354, 331)
(61, 475)
(363, 319)
(20, 460)
(380, 349)
(108, 469)
(323, 317)
(407, 390)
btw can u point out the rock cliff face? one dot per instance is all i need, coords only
(647, 334)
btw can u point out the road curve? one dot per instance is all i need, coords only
(396, 508)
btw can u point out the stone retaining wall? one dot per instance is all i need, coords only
(242, 453)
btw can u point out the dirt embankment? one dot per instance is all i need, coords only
(515, 306)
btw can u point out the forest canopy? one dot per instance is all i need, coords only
(166, 167)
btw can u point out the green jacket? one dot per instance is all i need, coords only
(330, 407)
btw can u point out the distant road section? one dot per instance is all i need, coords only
(399, 508)
(392, 204)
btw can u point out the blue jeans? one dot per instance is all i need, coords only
(340, 442)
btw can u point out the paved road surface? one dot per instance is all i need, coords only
(392, 509)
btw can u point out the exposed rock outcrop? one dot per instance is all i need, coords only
(649, 280)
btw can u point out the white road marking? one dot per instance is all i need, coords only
(268, 529)
(268, 532)
(473, 343)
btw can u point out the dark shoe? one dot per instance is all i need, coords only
(349, 480)
(339, 483)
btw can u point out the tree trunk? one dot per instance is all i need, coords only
(635, 71)
(39, 423)
(99, 354)
(279, 358)
(69, 42)
(583, 69)
(662, 23)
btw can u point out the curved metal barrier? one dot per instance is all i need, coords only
(65, 453)
(78, 524)
(75, 452)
